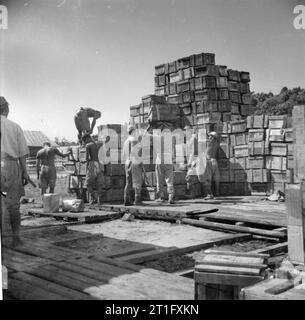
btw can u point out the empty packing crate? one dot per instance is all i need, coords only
(258, 148)
(257, 122)
(278, 149)
(276, 163)
(256, 135)
(277, 122)
(256, 162)
(238, 126)
(164, 112)
(257, 175)
(275, 134)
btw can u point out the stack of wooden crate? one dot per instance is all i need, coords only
(200, 87)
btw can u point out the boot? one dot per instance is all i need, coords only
(171, 199)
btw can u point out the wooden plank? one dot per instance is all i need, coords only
(273, 250)
(281, 287)
(26, 291)
(238, 254)
(226, 279)
(295, 220)
(64, 291)
(156, 254)
(227, 227)
(229, 270)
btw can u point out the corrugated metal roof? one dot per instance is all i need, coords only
(36, 138)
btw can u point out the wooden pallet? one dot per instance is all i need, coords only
(89, 216)
(40, 270)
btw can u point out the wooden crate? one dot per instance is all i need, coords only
(217, 275)
(171, 67)
(160, 69)
(134, 110)
(226, 116)
(290, 149)
(276, 163)
(173, 99)
(160, 91)
(175, 76)
(257, 122)
(183, 86)
(289, 135)
(224, 106)
(204, 83)
(202, 59)
(179, 177)
(290, 162)
(208, 70)
(188, 73)
(224, 164)
(246, 110)
(222, 82)
(240, 176)
(244, 76)
(244, 88)
(256, 135)
(278, 149)
(235, 97)
(224, 175)
(257, 175)
(222, 71)
(275, 135)
(225, 188)
(233, 86)
(186, 109)
(206, 94)
(258, 148)
(233, 75)
(259, 188)
(171, 88)
(241, 151)
(164, 112)
(223, 94)
(277, 122)
(239, 163)
(238, 139)
(256, 162)
(241, 189)
(238, 126)
(235, 108)
(185, 62)
(278, 176)
(186, 97)
(235, 117)
(246, 98)
(224, 151)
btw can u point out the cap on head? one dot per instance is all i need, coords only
(131, 129)
(213, 134)
(47, 143)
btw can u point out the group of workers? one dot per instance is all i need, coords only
(202, 165)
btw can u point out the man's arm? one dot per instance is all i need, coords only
(25, 176)
(63, 155)
(38, 162)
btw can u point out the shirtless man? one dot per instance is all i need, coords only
(211, 172)
(95, 170)
(45, 166)
(82, 123)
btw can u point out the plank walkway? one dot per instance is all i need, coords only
(40, 270)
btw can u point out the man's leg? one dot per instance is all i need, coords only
(160, 182)
(52, 179)
(169, 179)
(216, 177)
(128, 184)
(137, 181)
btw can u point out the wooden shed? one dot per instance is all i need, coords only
(35, 140)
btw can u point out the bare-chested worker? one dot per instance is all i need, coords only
(45, 166)
(211, 172)
(95, 170)
(82, 122)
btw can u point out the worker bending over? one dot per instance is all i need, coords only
(133, 167)
(95, 170)
(13, 172)
(82, 122)
(45, 166)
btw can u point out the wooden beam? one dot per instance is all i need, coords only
(228, 227)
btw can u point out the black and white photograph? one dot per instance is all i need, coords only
(152, 150)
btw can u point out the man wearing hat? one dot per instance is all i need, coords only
(13, 171)
(133, 167)
(82, 123)
(211, 173)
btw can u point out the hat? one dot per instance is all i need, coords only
(3, 102)
(131, 128)
(213, 134)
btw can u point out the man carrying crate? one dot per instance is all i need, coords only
(82, 123)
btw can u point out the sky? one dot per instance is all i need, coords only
(59, 55)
